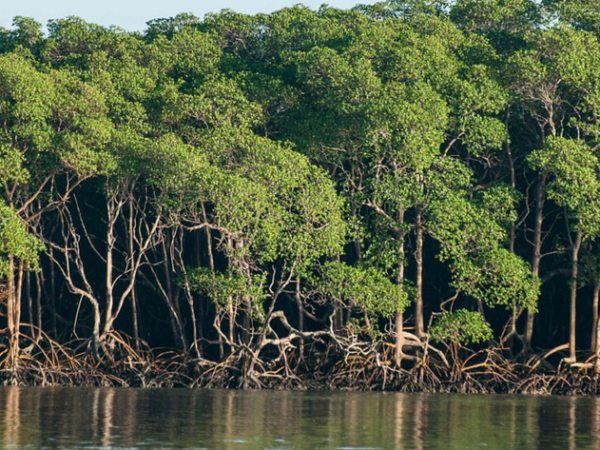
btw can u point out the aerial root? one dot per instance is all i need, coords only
(326, 361)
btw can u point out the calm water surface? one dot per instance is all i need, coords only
(67, 418)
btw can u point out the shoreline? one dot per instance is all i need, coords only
(201, 374)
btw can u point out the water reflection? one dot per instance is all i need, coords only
(12, 418)
(63, 418)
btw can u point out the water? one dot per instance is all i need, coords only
(68, 418)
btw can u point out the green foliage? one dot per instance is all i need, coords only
(27, 98)
(271, 197)
(461, 327)
(26, 33)
(365, 288)
(500, 201)
(288, 140)
(12, 167)
(228, 287)
(498, 277)
(462, 226)
(171, 26)
(581, 14)
(16, 243)
(575, 181)
(502, 21)
(472, 237)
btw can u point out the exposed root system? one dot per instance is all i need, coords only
(331, 366)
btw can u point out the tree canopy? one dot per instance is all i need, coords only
(272, 190)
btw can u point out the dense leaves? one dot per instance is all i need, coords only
(461, 326)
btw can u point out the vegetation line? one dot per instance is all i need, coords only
(399, 196)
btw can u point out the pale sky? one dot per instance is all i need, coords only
(132, 15)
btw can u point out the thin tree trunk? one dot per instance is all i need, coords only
(516, 312)
(175, 319)
(13, 338)
(597, 344)
(134, 313)
(133, 261)
(209, 244)
(594, 341)
(96, 330)
(338, 317)
(399, 319)
(218, 324)
(52, 294)
(18, 303)
(38, 305)
(230, 308)
(192, 307)
(419, 327)
(110, 242)
(231, 322)
(537, 252)
(27, 288)
(513, 181)
(71, 252)
(133, 293)
(573, 309)
(300, 316)
(211, 266)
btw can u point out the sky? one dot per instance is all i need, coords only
(132, 15)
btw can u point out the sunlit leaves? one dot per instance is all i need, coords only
(16, 242)
(461, 326)
(498, 278)
(232, 286)
(575, 181)
(365, 288)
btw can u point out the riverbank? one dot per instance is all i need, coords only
(487, 373)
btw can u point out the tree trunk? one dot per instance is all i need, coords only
(399, 338)
(96, 330)
(112, 213)
(171, 299)
(135, 318)
(211, 266)
(597, 344)
(13, 329)
(537, 252)
(516, 312)
(399, 319)
(231, 312)
(300, 316)
(27, 291)
(38, 305)
(52, 293)
(594, 341)
(419, 328)
(573, 310)
(513, 182)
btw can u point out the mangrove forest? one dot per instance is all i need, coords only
(401, 196)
